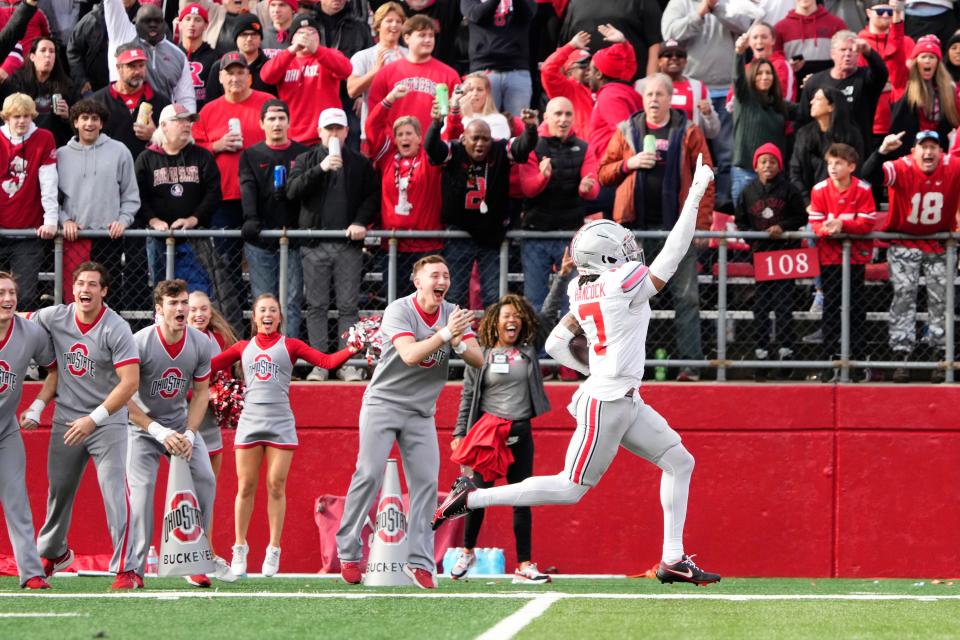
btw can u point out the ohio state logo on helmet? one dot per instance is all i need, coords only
(183, 521)
(170, 384)
(78, 362)
(263, 367)
(8, 378)
(391, 525)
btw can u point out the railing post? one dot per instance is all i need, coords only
(391, 270)
(282, 271)
(58, 269)
(722, 310)
(504, 266)
(845, 314)
(949, 315)
(171, 269)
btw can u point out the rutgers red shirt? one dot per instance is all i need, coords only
(920, 203)
(855, 208)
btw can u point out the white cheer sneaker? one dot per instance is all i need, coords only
(271, 562)
(238, 565)
(222, 570)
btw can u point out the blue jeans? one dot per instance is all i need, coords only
(538, 258)
(685, 296)
(460, 254)
(740, 179)
(186, 266)
(511, 90)
(264, 266)
(721, 147)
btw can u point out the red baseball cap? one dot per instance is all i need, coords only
(131, 55)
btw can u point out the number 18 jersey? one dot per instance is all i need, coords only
(614, 312)
(922, 203)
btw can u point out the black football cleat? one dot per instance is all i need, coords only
(685, 571)
(455, 506)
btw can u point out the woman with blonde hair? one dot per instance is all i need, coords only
(203, 317)
(266, 432)
(476, 103)
(930, 100)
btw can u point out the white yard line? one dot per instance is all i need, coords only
(43, 615)
(514, 623)
(501, 595)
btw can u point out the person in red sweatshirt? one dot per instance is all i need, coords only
(420, 72)
(884, 34)
(842, 204)
(806, 32)
(563, 75)
(308, 78)
(410, 189)
(611, 71)
(36, 27)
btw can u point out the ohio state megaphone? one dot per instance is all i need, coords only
(388, 552)
(184, 548)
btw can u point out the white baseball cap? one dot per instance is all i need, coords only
(332, 116)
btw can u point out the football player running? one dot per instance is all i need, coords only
(609, 303)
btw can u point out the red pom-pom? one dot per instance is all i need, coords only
(226, 400)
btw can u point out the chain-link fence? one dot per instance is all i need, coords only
(727, 314)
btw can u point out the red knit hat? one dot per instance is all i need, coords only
(194, 9)
(768, 148)
(927, 44)
(616, 61)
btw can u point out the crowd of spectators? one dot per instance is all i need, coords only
(326, 115)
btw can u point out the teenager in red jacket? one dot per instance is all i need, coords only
(806, 32)
(308, 78)
(884, 34)
(419, 71)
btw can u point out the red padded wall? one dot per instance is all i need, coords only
(849, 481)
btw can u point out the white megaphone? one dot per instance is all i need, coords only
(184, 548)
(388, 552)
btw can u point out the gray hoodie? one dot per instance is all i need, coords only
(97, 183)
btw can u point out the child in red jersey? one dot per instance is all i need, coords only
(842, 204)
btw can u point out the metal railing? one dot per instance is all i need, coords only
(723, 316)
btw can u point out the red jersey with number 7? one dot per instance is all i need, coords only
(921, 203)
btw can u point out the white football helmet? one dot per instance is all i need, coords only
(603, 244)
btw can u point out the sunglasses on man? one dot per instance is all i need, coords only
(883, 11)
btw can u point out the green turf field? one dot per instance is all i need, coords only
(493, 608)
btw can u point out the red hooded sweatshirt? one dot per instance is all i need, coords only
(558, 85)
(808, 36)
(893, 47)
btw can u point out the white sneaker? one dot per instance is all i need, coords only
(351, 374)
(463, 564)
(222, 571)
(318, 374)
(271, 562)
(239, 563)
(530, 575)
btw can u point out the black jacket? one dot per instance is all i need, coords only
(201, 61)
(558, 206)
(119, 124)
(463, 188)
(344, 32)
(309, 183)
(87, 49)
(762, 206)
(499, 43)
(171, 187)
(862, 88)
(215, 89)
(264, 207)
(903, 117)
(807, 164)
